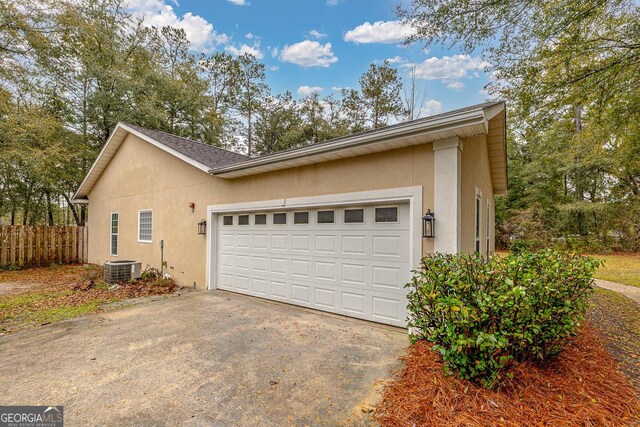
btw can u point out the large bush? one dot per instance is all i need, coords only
(486, 314)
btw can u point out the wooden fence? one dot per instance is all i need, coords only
(40, 245)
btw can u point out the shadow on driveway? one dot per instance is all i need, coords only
(207, 358)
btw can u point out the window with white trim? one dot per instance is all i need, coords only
(145, 226)
(113, 241)
(488, 230)
(478, 220)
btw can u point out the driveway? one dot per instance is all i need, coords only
(205, 358)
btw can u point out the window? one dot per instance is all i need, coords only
(387, 214)
(301, 218)
(260, 219)
(478, 221)
(279, 218)
(353, 216)
(145, 226)
(243, 219)
(227, 220)
(113, 250)
(488, 229)
(325, 217)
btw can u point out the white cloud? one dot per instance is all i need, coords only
(244, 48)
(339, 88)
(332, 2)
(396, 60)
(274, 68)
(308, 54)
(380, 32)
(239, 2)
(317, 34)
(455, 85)
(199, 31)
(449, 68)
(249, 36)
(430, 108)
(309, 90)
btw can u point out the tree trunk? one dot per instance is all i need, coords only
(73, 209)
(249, 133)
(49, 208)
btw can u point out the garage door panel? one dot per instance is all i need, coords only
(352, 302)
(260, 286)
(301, 268)
(301, 243)
(354, 273)
(354, 245)
(260, 242)
(357, 270)
(387, 277)
(325, 271)
(279, 290)
(279, 242)
(325, 298)
(301, 294)
(260, 264)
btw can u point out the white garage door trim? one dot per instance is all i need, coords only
(412, 195)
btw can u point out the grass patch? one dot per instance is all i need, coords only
(62, 313)
(620, 268)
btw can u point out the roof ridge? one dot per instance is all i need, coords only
(186, 139)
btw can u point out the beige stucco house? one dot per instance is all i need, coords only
(335, 226)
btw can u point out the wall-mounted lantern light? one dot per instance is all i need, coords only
(427, 225)
(202, 227)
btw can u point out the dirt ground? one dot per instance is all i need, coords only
(13, 282)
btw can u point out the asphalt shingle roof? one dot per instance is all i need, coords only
(211, 156)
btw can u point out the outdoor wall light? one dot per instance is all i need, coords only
(202, 227)
(427, 225)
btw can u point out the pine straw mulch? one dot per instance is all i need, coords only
(580, 387)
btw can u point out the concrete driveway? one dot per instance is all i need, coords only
(205, 358)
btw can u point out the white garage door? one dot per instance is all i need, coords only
(347, 260)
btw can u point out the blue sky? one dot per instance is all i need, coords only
(322, 45)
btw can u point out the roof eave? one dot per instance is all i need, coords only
(313, 152)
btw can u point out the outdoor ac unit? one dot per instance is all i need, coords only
(121, 271)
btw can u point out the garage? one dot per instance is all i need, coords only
(351, 260)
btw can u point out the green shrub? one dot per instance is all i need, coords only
(486, 314)
(522, 245)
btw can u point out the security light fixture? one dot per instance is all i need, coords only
(202, 227)
(427, 225)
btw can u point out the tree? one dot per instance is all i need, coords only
(251, 91)
(570, 72)
(380, 92)
(222, 73)
(414, 94)
(278, 124)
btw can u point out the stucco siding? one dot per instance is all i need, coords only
(141, 176)
(476, 174)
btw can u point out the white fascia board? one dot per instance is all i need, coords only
(458, 120)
